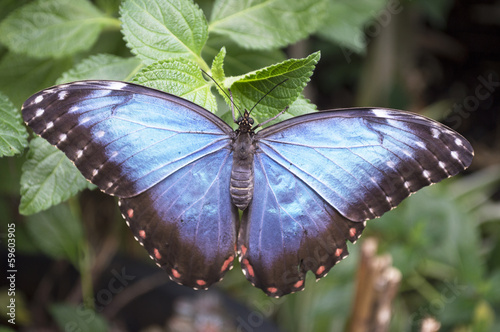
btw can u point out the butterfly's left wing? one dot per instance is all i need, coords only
(318, 177)
(167, 159)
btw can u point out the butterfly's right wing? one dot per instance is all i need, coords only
(167, 159)
(319, 176)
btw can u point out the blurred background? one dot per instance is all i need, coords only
(436, 253)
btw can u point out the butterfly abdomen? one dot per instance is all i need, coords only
(241, 185)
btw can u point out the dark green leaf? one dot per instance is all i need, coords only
(347, 20)
(13, 134)
(53, 28)
(267, 24)
(48, 178)
(57, 233)
(83, 319)
(162, 29)
(180, 77)
(292, 76)
(102, 67)
(21, 76)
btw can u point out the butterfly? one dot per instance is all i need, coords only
(306, 185)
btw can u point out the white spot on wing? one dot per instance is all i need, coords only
(380, 112)
(73, 109)
(454, 154)
(49, 125)
(100, 133)
(85, 119)
(62, 137)
(38, 99)
(459, 142)
(421, 144)
(62, 95)
(39, 112)
(117, 85)
(435, 133)
(79, 153)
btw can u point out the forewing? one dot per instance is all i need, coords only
(364, 162)
(289, 229)
(187, 222)
(123, 137)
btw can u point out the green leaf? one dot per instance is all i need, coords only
(266, 24)
(48, 178)
(13, 135)
(347, 20)
(53, 28)
(21, 76)
(57, 233)
(162, 29)
(102, 67)
(180, 77)
(248, 89)
(239, 60)
(218, 66)
(71, 318)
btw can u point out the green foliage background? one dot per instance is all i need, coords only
(434, 237)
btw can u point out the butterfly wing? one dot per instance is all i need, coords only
(318, 177)
(186, 221)
(166, 158)
(123, 137)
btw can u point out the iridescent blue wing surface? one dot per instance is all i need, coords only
(143, 146)
(320, 176)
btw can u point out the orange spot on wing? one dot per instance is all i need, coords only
(130, 213)
(298, 284)
(338, 252)
(176, 274)
(249, 267)
(157, 254)
(272, 290)
(320, 270)
(226, 264)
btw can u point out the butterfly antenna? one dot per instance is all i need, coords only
(264, 96)
(230, 95)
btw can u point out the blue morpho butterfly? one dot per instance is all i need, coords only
(305, 185)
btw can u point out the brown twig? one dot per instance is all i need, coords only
(377, 284)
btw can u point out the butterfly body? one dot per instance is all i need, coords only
(306, 185)
(243, 147)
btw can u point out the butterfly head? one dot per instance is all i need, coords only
(245, 123)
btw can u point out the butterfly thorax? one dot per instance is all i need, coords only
(241, 185)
